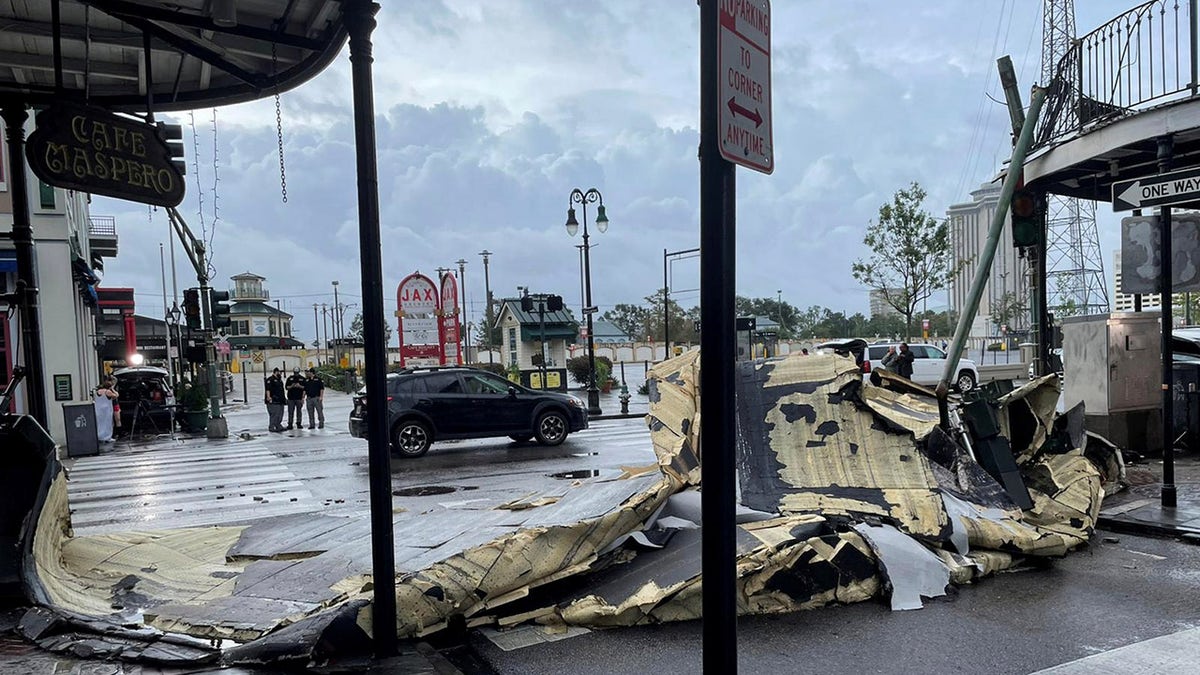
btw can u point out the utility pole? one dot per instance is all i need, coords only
(487, 312)
(464, 316)
(337, 330)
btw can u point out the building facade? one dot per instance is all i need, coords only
(522, 334)
(880, 306)
(254, 323)
(1007, 285)
(69, 251)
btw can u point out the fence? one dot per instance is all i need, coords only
(1143, 58)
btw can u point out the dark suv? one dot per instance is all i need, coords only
(431, 404)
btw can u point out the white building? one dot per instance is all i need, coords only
(969, 223)
(521, 335)
(68, 254)
(880, 306)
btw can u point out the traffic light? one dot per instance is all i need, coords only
(172, 136)
(554, 303)
(1028, 217)
(527, 303)
(191, 308)
(218, 309)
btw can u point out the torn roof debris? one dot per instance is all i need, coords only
(849, 491)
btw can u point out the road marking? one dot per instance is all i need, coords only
(1167, 655)
(182, 487)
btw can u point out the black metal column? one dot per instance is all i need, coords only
(1166, 152)
(593, 391)
(360, 20)
(14, 115)
(717, 349)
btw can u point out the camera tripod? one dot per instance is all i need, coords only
(142, 412)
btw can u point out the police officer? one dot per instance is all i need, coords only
(275, 400)
(295, 399)
(314, 393)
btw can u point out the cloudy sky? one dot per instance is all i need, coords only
(488, 113)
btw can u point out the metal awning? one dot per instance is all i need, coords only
(201, 52)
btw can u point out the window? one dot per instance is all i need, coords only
(512, 345)
(485, 384)
(935, 353)
(443, 383)
(46, 195)
(918, 351)
(410, 385)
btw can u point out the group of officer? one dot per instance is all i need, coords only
(296, 392)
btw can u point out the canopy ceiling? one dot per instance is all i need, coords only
(259, 48)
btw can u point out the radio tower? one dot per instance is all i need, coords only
(1075, 282)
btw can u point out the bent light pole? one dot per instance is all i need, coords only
(583, 199)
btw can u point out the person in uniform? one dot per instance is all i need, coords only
(295, 399)
(314, 394)
(275, 400)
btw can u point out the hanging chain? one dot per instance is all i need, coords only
(278, 123)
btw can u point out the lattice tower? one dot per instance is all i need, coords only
(1075, 281)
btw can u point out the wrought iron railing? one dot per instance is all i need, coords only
(102, 226)
(1141, 59)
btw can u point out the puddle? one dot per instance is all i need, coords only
(585, 454)
(424, 490)
(575, 475)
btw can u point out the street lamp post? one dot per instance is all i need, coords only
(324, 333)
(337, 333)
(487, 299)
(583, 199)
(463, 315)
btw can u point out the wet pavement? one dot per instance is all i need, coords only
(1139, 509)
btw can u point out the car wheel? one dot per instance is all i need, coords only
(521, 438)
(965, 381)
(411, 438)
(551, 428)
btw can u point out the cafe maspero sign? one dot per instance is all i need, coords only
(93, 150)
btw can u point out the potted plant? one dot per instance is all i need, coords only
(193, 405)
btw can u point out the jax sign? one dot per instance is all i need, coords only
(420, 334)
(744, 52)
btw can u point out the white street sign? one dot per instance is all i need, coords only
(420, 331)
(744, 49)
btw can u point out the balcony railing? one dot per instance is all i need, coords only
(1139, 60)
(264, 294)
(102, 226)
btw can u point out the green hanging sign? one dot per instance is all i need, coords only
(93, 150)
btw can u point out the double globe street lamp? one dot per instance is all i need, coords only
(582, 198)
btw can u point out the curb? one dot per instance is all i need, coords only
(1146, 529)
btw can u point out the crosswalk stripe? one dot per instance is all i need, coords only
(182, 487)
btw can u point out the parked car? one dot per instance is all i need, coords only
(433, 404)
(144, 393)
(928, 363)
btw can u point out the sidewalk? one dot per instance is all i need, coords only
(1139, 509)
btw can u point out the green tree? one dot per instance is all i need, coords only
(482, 328)
(910, 254)
(356, 330)
(1008, 310)
(774, 309)
(633, 320)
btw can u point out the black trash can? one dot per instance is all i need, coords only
(80, 421)
(1186, 399)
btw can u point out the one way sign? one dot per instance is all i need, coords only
(1164, 189)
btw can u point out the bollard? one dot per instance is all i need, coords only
(245, 391)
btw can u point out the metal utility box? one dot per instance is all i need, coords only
(1113, 364)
